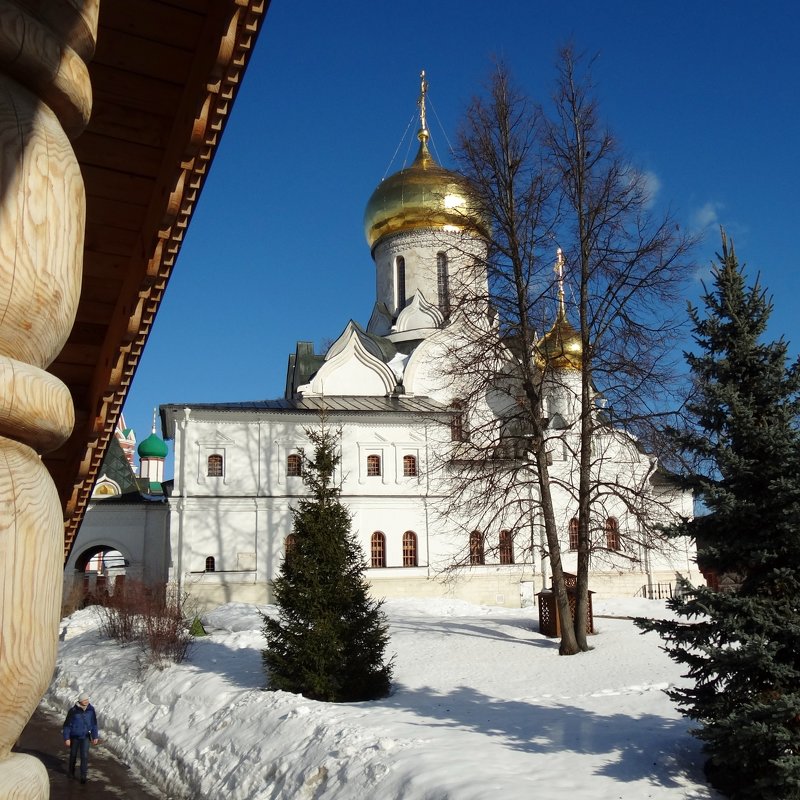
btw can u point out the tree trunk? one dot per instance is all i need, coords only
(569, 645)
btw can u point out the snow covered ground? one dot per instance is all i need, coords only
(482, 706)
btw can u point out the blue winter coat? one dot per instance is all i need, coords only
(80, 723)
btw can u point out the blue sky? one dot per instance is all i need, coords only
(703, 95)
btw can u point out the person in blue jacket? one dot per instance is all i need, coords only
(80, 727)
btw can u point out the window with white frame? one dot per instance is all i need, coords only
(476, 551)
(373, 466)
(457, 429)
(409, 466)
(573, 533)
(443, 284)
(612, 534)
(294, 465)
(378, 550)
(506, 548)
(215, 466)
(400, 283)
(409, 549)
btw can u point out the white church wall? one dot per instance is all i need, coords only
(241, 516)
(245, 536)
(156, 544)
(222, 531)
(389, 503)
(137, 530)
(239, 447)
(352, 371)
(493, 586)
(420, 255)
(392, 516)
(249, 512)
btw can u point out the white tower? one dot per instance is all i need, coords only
(152, 453)
(420, 224)
(560, 357)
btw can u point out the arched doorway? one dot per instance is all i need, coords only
(99, 573)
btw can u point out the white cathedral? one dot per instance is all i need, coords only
(238, 466)
(397, 399)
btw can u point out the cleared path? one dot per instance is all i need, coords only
(108, 777)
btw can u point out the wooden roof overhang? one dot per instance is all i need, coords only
(164, 77)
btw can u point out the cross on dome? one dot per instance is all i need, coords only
(558, 268)
(423, 134)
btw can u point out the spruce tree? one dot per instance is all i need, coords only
(741, 640)
(329, 639)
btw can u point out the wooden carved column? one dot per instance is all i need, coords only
(45, 100)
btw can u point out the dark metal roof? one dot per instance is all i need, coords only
(303, 363)
(347, 404)
(128, 499)
(307, 406)
(118, 468)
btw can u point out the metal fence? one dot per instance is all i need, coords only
(655, 591)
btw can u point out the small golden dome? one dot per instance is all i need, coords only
(560, 347)
(424, 195)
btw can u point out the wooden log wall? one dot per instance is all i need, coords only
(45, 101)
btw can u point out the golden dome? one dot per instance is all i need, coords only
(423, 195)
(560, 347)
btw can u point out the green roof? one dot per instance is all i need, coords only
(116, 466)
(153, 447)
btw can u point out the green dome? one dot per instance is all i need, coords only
(153, 447)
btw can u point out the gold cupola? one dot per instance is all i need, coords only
(561, 346)
(424, 195)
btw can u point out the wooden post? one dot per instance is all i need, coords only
(45, 100)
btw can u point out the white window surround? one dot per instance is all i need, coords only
(216, 444)
(294, 466)
(283, 448)
(399, 283)
(202, 466)
(402, 449)
(373, 449)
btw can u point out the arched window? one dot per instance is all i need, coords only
(215, 466)
(378, 550)
(373, 465)
(573, 533)
(443, 284)
(506, 547)
(294, 465)
(409, 466)
(409, 549)
(400, 282)
(289, 544)
(457, 432)
(612, 534)
(211, 564)
(476, 555)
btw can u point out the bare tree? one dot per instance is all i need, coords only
(498, 317)
(542, 182)
(630, 266)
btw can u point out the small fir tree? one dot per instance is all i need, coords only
(740, 639)
(329, 640)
